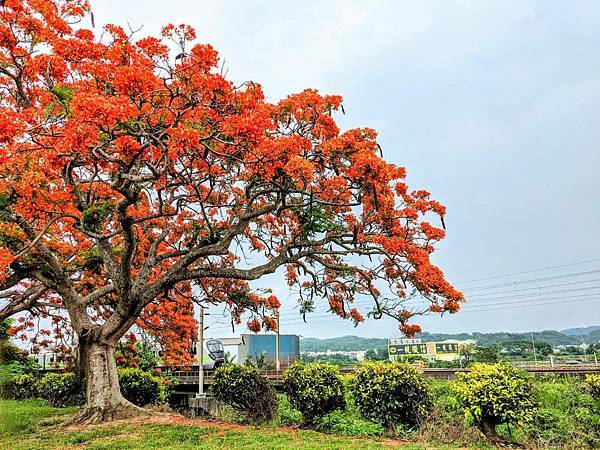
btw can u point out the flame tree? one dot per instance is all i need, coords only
(132, 170)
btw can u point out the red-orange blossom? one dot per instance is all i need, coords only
(132, 171)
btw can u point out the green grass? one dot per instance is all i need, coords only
(17, 417)
(32, 425)
(567, 417)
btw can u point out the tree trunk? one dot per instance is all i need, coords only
(103, 399)
(488, 427)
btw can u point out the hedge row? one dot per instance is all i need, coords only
(387, 394)
(63, 389)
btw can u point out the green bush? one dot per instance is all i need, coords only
(314, 389)
(20, 387)
(61, 389)
(494, 394)
(8, 372)
(444, 398)
(391, 394)
(592, 383)
(142, 388)
(245, 389)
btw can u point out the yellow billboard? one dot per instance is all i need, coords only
(424, 349)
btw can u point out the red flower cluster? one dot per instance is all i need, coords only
(131, 170)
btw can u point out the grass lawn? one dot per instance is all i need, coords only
(32, 425)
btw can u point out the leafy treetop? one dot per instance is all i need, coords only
(132, 170)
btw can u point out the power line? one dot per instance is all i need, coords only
(531, 271)
(533, 280)
(483, 299)
(489, 301)
(478, 301)
(532, 301)
(324, 321)
(506, 297)
(411, 302)
(516, 305)
(533, 288)
(535, 304)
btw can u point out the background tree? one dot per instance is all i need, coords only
(525, 349)
(475, 354)
(9, 352)
(137, 354)
(337, 359)
(377, 354)
(132, 171)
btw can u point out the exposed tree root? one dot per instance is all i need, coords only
(91, 415)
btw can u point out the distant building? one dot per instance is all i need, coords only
(359, 355)
(564, 347)
(47, 360)
(254, 345)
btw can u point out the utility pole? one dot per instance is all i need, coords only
(583, 346)
(200, 352)
(277, 361)
(534, 352)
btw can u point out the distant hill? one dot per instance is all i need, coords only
(341, 344)
(580, 331)
(552, 337)
(357, 343)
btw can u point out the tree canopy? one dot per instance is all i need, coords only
(134, 174)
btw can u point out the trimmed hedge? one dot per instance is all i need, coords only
(61, 389)
(245, 389)
(142, 388)
(20, 387)
(314, 389)
(391, 394)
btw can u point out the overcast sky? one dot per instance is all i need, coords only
(493, 107)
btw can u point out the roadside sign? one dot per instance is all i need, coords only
(407, 349)
(430, 349)
(446, 349)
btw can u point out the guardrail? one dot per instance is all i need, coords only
(190, 377)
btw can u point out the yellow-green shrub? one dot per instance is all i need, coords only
(61, 389)
(592, 383)
(493, 394)
(314, 389)
(20, 387)
(142, 388)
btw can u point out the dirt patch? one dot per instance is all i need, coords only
(161, 418)
(219, 426)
